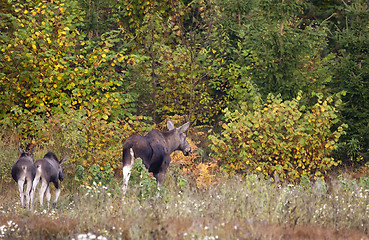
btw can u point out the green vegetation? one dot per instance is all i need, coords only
(273, 88)
(280, 138)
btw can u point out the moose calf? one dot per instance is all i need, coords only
(48, 170)
(23, 172)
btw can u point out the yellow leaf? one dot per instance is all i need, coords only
(105, 116)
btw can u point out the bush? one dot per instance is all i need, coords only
(189, 166)
(279, 138)
(141, 180)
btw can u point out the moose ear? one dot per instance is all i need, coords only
(184, 127)
(21, 150)
(63, 160)
(170, 125)
(32, 150)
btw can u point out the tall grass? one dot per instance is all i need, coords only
(236, 208)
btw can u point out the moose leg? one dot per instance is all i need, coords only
(28, 192)
(127, 171)
(126, 175)
(44, 186)
(57, 193)
(32, 195)
(34, 186)
(48, 196)
(21, 191)
(160, 176)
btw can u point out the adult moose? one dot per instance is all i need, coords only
(23, 172)
(48, 170)
(154, 149)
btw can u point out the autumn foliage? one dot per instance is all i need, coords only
(80, 77)
(280, 138)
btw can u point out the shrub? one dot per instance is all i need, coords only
(142, 181)
(279, 138)
(205, 174)
(189, 166)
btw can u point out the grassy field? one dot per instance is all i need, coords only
(235, 208)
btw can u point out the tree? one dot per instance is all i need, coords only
(351, 75)
(179, 61)
(282, 54)
(47, 66)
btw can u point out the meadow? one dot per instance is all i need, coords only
(234, 208)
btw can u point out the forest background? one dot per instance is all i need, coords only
(273, 87)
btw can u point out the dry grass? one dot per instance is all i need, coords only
(235, 209)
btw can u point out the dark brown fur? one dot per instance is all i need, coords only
(154, 149)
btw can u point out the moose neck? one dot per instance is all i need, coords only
(169, 137)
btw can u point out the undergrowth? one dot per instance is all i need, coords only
(245, 208)
(195, 202)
